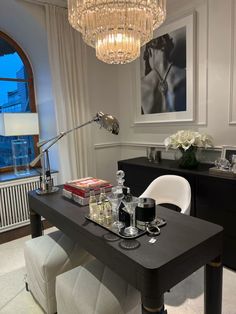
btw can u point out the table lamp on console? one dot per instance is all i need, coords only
(19, 124)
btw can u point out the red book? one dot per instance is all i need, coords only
(84, 193)
(83, 186)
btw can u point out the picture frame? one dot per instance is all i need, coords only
(159, 110)
(228, 151)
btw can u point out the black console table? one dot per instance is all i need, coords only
(213, 197)
(150, 268)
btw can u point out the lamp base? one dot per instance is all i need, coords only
(53, 189)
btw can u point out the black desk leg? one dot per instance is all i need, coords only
(35, 224)
(213, 287)
(151, 308)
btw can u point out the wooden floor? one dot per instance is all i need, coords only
(19, 232)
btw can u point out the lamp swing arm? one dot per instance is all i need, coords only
(105, 121)
(62, 134)
(53, 141)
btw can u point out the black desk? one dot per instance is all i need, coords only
(186, 243)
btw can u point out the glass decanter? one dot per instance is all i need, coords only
(115, 199)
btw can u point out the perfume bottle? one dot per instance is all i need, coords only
(92, 205)
(100, 212)
(107, 208)
(102, 196)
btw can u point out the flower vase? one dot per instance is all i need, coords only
(188, 159)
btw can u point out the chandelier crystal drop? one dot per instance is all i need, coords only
(116, 28)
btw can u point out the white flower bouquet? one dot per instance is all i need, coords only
(185, 139)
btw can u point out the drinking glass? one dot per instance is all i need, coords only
(115, 198)
(233, 164)
(150, 153)
(130, 208)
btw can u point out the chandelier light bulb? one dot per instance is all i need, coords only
(116, 28)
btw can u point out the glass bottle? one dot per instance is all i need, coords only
(107, 212)
(128, 195)
(93, 205)
(100, 212)
(101, 205)
(120, 180)
(115, 199)
(102, 196)
(234, 163)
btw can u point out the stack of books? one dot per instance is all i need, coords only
(78, 190)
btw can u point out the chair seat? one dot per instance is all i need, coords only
(95, 289)
(45, 258)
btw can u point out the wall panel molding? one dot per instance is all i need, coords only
(140, 144)
(202, 77)
(232, 102)
(107, 145)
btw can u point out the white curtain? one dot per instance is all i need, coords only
(67, 56)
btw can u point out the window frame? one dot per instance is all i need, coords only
(29, 80)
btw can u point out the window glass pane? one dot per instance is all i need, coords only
(6, 149)
(11, 65)
(14, 96)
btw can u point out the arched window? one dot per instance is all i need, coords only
(16, 94)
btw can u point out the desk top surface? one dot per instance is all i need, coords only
(185, 243)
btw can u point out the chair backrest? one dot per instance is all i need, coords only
(170, 189)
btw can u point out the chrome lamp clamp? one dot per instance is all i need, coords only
(105, 121)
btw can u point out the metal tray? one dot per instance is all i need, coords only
(120, 233)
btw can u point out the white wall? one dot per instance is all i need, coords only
(213, 80)
(111, 88)
(25, 22)
(103, 96)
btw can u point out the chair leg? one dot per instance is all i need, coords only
(26, 283)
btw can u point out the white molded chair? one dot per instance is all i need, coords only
(45, 258)
(170, 189)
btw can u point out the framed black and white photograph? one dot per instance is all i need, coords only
(165, 75)
(228, 152)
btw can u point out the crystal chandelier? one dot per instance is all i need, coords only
(116, 28)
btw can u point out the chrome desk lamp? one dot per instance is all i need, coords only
(105, 121)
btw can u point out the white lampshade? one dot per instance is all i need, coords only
(17, 124)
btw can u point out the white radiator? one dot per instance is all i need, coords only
(14, 208)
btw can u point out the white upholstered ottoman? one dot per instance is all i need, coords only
(46, 257)
(95, 289)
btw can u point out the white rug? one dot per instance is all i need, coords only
(14, 299)
(185, 298)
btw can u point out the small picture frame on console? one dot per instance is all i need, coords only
(228, 152)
